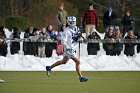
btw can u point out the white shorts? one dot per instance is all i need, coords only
(70, 55)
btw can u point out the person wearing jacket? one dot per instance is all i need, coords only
(43, 35)
(127, 22)
(108, 47)
(15, 46)
(118, 47)
(90, 19)
(62, 16)
(3, 46)
(34, 45)
(27, 45)
(52, 45)
(129, 49)
(137, 33)
(69, 43)
(2, 31)
(109, 18)
(93, 48)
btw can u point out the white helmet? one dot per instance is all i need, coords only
(71, 21)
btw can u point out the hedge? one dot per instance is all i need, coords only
(16, 21)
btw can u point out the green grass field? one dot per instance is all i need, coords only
(67, 82)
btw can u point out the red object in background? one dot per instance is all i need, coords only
(59, 49)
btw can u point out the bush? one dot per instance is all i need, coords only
(16, 21)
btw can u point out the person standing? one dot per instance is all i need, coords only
(90, 19)
(62, 16)
(109, 18)
(68, 41)
(127, 22)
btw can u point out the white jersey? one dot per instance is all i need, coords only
(68, 40)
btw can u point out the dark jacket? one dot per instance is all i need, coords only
(138, 37)
(118, 47)
(127, 22)
(109, 20)
(15, 46)
(92, 48)
(3, 48)
(108, 47)
(2, 32)
(129, 49)
(27, 46)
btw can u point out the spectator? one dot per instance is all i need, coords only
(53, 35)
(118, 47)
(90, 19)
(3, 45)
(129, 49)
(63, 27)
(109, 18)
(2, 31)
(62, 16)
(43, 35)
(49, 28)
(108, 47)
(93, 48)
(127, 22)
(48, 48)
(138, 37)
(34, 45)
(27, 45)
(52, 45)
(15, 46)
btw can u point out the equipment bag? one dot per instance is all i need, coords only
(59, 49)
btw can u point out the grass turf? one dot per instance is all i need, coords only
(67, 82)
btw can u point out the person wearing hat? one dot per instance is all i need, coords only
(62, 16)
(90, 19)
(109, 18)
(93, 48)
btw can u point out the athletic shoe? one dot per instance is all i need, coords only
(83, 79)
(48, 69)
(1, 81)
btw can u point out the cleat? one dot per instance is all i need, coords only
(48, 69)
(83, 79)
(1, 81)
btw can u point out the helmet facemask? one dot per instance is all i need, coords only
(72, 21)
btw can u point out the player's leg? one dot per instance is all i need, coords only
(63, 61)
(77, 62)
